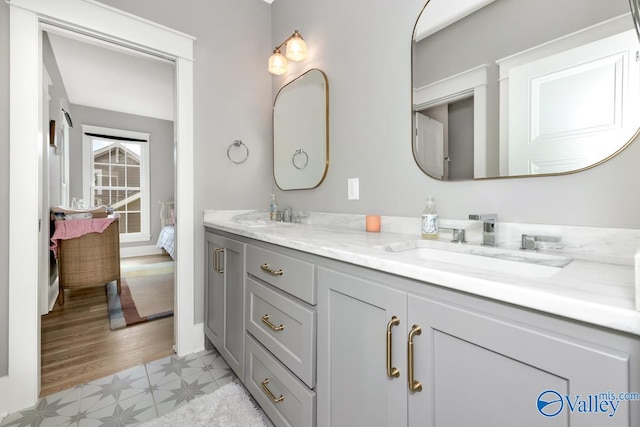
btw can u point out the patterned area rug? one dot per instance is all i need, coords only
(229, 406)
(146, 294)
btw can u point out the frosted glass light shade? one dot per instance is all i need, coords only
(296, 48)
(277, 63)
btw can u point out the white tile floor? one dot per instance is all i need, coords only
(132, 396)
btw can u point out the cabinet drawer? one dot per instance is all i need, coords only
(290, 274)
(296, 405)
(285, 327)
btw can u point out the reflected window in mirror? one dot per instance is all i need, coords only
(301, 132)
(519, 88)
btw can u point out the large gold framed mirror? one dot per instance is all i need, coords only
(505, 88)
(301, 132)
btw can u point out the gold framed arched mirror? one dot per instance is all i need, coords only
(301, 132)
(505, 88)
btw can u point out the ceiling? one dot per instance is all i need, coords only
(101, 75)
(441, 14)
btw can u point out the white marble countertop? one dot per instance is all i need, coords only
(595, 290)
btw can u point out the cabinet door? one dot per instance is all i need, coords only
(233, 343)
(224, 315)
(477, 369)
(353, 387)
(214, 289)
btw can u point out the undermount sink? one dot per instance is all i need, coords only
(506, 261)
(263, 223)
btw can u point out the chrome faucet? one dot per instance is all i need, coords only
(284, 215)
(529, 242)
(489, 231)
(458, 235)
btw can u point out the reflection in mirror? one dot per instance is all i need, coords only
(516, 88)
(301, 132)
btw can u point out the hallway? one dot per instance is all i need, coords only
(77, 345)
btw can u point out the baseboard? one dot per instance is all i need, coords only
(4, 397)
(54, 290)
(133, 251)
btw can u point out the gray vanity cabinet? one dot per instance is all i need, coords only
(322, 342)
(471, 361)
(280, 317)
(224, 298)
(479, 368)
(353, 386)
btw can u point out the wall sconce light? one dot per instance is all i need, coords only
(296, 50)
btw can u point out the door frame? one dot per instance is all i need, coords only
(107, 23)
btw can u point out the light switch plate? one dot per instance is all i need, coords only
(353, 189)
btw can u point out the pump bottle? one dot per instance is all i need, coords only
(273, 207)
(430, 220)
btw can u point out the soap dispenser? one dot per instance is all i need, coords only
(430, 220)
(273, 207)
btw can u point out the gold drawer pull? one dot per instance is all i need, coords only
(265, 267)
(266, 321)
(413, 384)
(268, 392)
(391, 371)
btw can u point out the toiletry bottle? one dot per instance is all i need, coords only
(430, 220)
(273, 207)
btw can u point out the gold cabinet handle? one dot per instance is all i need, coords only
(268, 392)
(217, 265)
(266, 321)
(413, 384)
(265, 267)
(391, 371)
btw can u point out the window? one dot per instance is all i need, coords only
(116, 173)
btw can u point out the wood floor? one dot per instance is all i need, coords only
(77, 345)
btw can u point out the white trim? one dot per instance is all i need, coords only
(135, 237)
(25, 135)
(610, 27)
(87, 17)
(63, 153)
(472, 82)
(119, 26)
(101, 43)
(134, 251)
(450, 89)
(53, 290)
(4, 397)
(189, 337)
(45, 200)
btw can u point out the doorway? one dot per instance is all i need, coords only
(26, 122)
(116, 105)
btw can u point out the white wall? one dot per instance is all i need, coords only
(161, 156)
(232, 100)
(365, 48)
